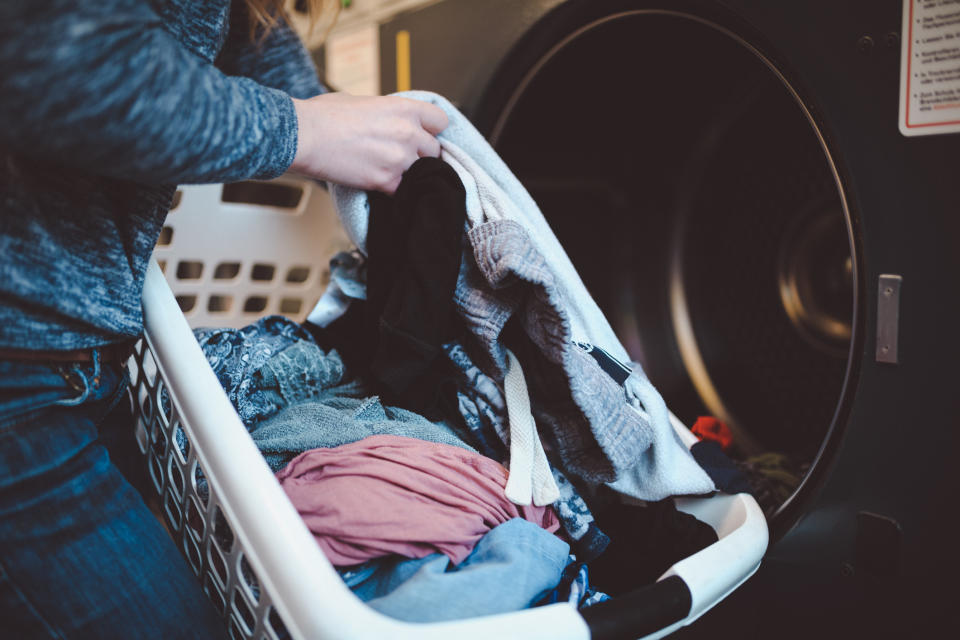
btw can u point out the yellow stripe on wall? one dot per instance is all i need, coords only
(403, 60)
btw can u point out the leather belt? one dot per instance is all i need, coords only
(115, 352)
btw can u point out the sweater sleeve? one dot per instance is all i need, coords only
(278, 60)
(103, 86)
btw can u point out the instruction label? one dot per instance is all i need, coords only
(930, 67)
(353, 61)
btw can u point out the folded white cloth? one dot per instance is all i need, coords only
(530, 477)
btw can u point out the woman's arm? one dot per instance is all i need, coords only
(278, 60)
(102, 86)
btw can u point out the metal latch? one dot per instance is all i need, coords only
(888, 317)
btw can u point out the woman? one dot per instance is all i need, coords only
(104, 108)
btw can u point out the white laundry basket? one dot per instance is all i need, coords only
(250, 549)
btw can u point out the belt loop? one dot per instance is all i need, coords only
(75, 369)
(96, 367)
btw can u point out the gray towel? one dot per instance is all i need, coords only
(332, 421)
(595, 431)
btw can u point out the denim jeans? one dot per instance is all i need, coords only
(513, 566)
(81, 556)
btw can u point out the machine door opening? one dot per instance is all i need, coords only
(698, 199)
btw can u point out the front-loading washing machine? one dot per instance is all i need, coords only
(736, 184)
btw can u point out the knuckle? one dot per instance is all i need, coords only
(381, 179)
(398, 158)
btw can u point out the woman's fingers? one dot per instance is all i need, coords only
(432, 118)
(362, 141)
(429, 147)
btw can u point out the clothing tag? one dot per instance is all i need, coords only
(613, 367)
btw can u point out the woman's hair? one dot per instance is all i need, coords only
(265, 14)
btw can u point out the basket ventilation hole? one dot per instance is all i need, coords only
(255, 304)
(163, 265)
(219, 304)
(177, 199)
(189, 270)
(269, 194)
(217, 563)
(235, 631)
(192, 551)
(140, 432)
(181, 442)
(163, 403)
(298, 274)
(249, 578)
(262, 272)
(133, 367)
(242, 609)
(291, 305)
(176, 477)
(147, 405)
(172, 509)
(226, 271)
(159, 443)
(166, 237)
(187, 303)
(195, 521)
(201, 485)
(156, 474)
(213, 592)
(222, 532)
(149, 366)
(277, 623)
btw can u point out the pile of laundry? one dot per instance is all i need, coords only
(456, 401)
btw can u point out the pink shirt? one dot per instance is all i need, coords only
(390, 494)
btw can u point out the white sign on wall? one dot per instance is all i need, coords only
(353, 60)
(930, 67)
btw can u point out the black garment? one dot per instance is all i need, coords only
(414, 248)
(645, 542)
(722, 470)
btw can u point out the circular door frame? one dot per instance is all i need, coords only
(565, 23)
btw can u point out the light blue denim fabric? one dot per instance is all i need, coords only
(513, 566)
(81, 556)
(104, 108)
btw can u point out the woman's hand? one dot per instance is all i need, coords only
(365, 142)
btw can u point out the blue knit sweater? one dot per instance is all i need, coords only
(104, 108)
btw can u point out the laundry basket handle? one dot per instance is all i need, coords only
(640, 612)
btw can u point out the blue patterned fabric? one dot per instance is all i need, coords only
(293, 397)
(348, 282)
(574, 588)
(235, 355)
